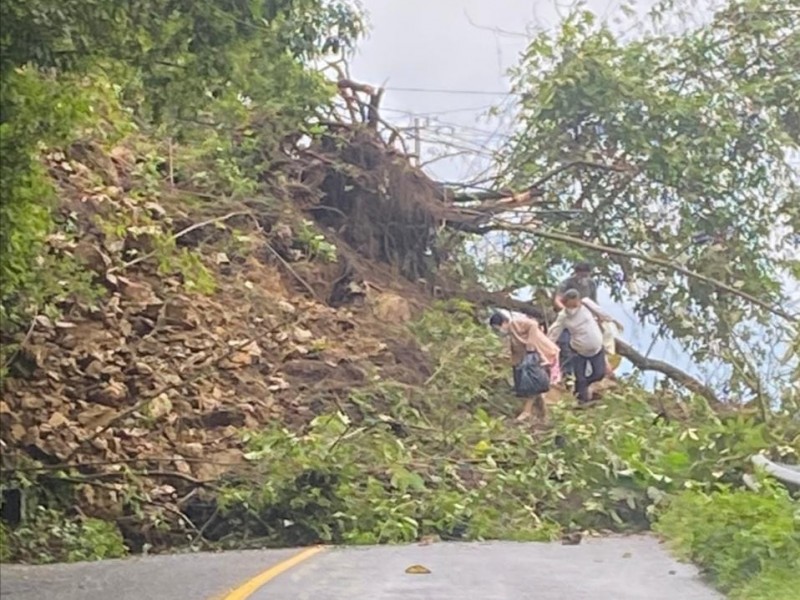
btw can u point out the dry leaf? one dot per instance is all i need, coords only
(418, 570)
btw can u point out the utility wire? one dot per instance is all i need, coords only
(448, 111)
(448, 91)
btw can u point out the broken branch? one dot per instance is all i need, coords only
(667, 264)
(644, 363)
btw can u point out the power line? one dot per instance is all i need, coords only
(448, 111)
(446, 91)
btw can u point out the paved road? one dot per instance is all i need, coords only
(201, 576)
(633, 568)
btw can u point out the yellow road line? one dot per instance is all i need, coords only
(247, 589)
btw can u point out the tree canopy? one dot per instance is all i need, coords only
(191, 67)
(679, 146)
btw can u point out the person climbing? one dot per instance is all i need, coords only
(586, 342)
(610, 328)
(582, 281)
(534, 360)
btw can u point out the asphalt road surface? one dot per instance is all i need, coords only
(620, 568)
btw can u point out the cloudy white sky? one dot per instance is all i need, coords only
(445, 63)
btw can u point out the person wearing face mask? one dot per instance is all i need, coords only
(586, 342)
(528, 343)
(582, 281)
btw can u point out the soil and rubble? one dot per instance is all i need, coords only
(156, 381)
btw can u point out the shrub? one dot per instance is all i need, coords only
(744, 540)
(49, 535)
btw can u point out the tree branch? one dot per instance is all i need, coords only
(545, 315)
(667, 264)
(644, 363)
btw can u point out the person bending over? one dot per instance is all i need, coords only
(581, 280)
(528, 342)
(586, 342)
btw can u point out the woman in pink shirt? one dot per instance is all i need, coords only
(531, 348)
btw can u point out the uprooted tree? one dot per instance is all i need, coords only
(670, 160)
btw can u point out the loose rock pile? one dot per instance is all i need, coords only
(154, 382)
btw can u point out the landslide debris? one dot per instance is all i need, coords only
(209, 318)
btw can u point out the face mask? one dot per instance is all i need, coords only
(571, 311)
(500, 333)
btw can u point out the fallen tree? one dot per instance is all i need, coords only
(401, 220)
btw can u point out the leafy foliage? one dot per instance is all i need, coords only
(770, 584)
(177, 56)
(738, 536)
(676, 146)
(314, 243)
(50, 536)
(41, 110)
(401, 464)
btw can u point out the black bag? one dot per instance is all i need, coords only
(530, 377)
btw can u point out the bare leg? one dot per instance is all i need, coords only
(539, 408)
(527, 410)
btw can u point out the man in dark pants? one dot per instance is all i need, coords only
(586, 342)
(582, 281)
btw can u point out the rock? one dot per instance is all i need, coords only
(32, 402)
(90, 255)
(301, 335)
(418, 570)
(94, 369)
(136, 292)
(277, 384)
(17, 432)
(56, 420)
(94, 417)
(286, 307)
(192, 449)
(248, 355)
(44, 322)
(112, 393)
(391, 308)
(182, 466)
(160, 406)
(179, 312)
(162, 491)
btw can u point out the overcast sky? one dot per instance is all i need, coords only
(445, 62)
(465, 47)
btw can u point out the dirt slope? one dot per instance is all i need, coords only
(212, 319)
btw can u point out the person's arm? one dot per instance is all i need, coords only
(557, 327)
(520, 329)
(596, 310)
(533, 333)
(518, 334)
(558, 298)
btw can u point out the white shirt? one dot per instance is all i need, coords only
(586, 337)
